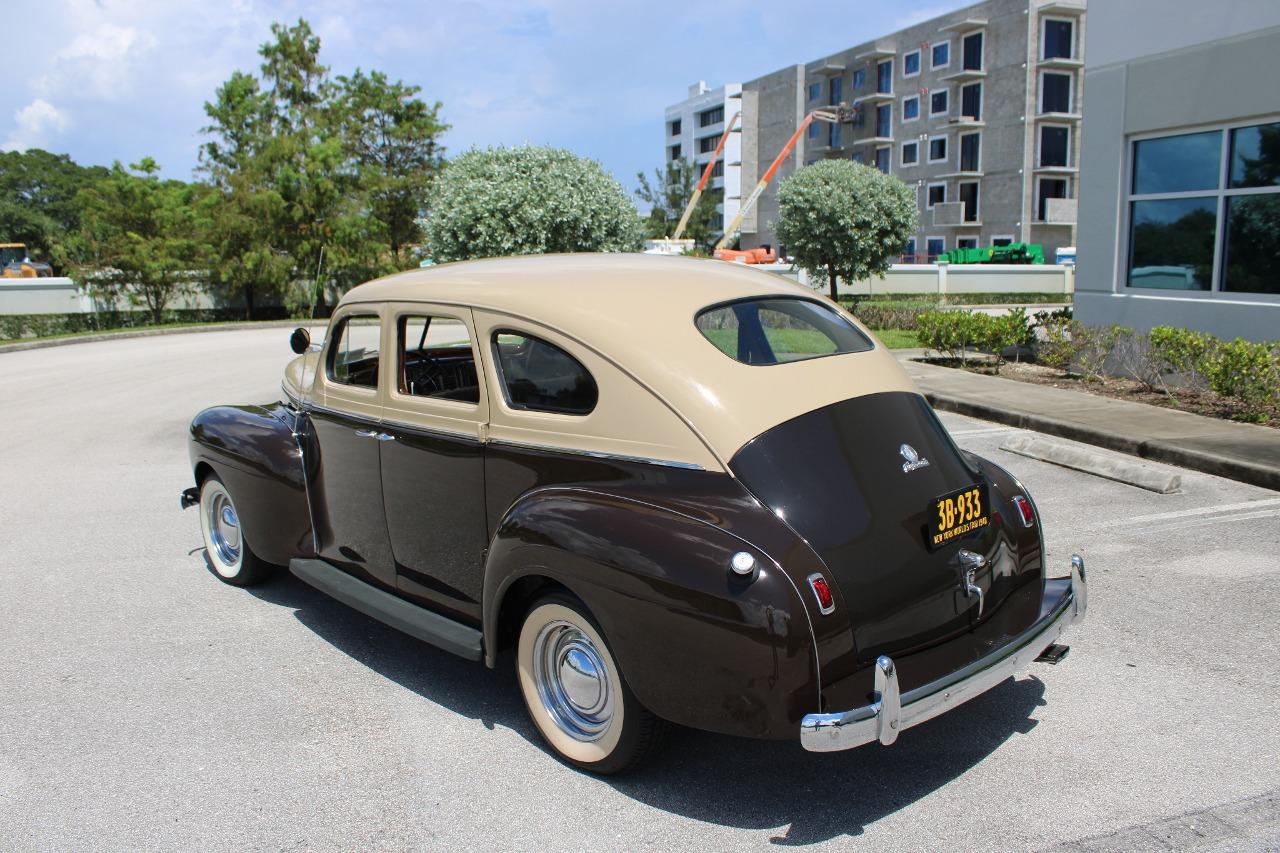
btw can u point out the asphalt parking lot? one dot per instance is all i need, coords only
(146, 705)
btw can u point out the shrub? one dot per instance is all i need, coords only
(1181, 351)
(1134, 357)
(891, 315)
(1096, 346)
(1060, 342)
(1246, 372)
(528, 201)
(948, 332)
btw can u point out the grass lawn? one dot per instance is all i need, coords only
(898, 338)
(804, 341)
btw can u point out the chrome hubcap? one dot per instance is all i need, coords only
(224, 529)
(572, 681)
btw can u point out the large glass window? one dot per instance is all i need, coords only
(884, 77)
(884, 115)
(971, 101)
(708, 143)
(969, 198)
(715, 115)
(1194, 225)
(941, 55)
(934, 246)
(972, 52)
(911, 108)
(1055, 145)
(354, 357)
(1059, 42)
(1049, 188)
(773, 331)
(815, 90)
(882, 159)
(1055, 93)
(835, 91)
(970, 152)
(541, 377)
(859, 78)
(911, 64)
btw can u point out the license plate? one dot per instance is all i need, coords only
(955, 514)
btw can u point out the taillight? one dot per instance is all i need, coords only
(822, 591)
(1025, 510)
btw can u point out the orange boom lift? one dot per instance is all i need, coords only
(706, 176)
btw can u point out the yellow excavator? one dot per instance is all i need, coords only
(14, 263)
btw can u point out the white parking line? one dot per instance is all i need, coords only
(1207, 510)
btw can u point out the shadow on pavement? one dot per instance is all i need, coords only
(723, 780)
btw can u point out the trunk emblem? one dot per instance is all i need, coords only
(913, 459)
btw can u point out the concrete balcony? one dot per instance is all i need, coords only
(964, 75)
(1061, 63)
(1059, 118)
(1059, 211)
(874, 98)
(966, 25)
(875, 52)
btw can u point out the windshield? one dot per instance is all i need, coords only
(773, 331)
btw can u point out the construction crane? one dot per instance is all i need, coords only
(706, 176)
(842, 112)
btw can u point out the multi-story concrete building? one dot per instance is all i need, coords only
(1181, 168)
(693, 129)
(979, 109)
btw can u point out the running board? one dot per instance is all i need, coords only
(439, 631)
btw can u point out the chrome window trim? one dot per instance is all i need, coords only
(595, 454)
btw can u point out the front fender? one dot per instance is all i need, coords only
(253, 451)
(697, 644)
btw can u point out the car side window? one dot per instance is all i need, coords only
(354, 357)
(436, 359)
(541, 377)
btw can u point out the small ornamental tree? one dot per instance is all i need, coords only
(527, 201)
(840, 219)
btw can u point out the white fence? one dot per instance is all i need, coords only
(935, 279)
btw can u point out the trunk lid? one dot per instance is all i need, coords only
(860, 480)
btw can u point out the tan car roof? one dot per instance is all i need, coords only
(637, 311)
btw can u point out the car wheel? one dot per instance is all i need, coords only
(224, 542)
(574, 692)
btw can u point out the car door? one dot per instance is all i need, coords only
(346, 419)
(433, 468)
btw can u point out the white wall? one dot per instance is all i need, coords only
(930, 279)
(1122, 30)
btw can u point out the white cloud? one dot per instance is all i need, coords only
(97, 63)
(33, 124)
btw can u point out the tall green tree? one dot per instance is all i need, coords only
(38, 201)
(528, 201)
(142, 237)
(840, 219)
(393, 139)
(668, 195)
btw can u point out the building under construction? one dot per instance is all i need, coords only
(979, 109)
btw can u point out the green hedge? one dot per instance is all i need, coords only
(16, 326)
(956, 332)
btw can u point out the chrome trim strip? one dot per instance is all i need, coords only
(891, 713)
(595, 454)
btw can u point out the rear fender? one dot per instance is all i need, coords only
(252, 449)
(698, 645)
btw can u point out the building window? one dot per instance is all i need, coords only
(1001, 241)
(966, 242)
(910, 153)
(969, 198)
(911, 108)
(1055, 93)
(708, 143)
(934, 246)
(815, 91)
(938, 102)
(941, 55)
(833, 137)
(715, 115)
(675, 127)
(812, 132)
(835, 91)
(935, 194)
(971, 152)
(857, 157)
(718, 171)
(1047, 188)
(911, 64)
(884, 77)
(971, 101)
(1058, 39)
(673, 153)
(909, 251)
(1195, 226)
(972, 50)
(882, 159)
(884, 119)
(1055, 145)
(859, 78)
(937, 149)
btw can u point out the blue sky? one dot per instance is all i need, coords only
(106, 80)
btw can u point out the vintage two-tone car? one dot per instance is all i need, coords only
(678, 490)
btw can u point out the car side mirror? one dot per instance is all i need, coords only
(300, 340)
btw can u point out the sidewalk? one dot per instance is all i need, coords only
(1244, 452)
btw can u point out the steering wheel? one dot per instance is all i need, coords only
(426, 377)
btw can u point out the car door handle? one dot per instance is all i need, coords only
(373, 433)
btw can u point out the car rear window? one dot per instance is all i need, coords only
(773, 331)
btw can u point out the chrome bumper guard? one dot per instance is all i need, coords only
(892, 712)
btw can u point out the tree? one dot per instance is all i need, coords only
(667, 198)
(527, 201)
(840, 219)
(38, 201)
(141, 236)
(392, 137)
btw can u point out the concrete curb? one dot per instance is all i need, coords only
(1154, 449)
(1138, 474)
(144, 332)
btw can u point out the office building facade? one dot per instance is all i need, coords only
(692, 130)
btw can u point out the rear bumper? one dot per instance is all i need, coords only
(1065, 602)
